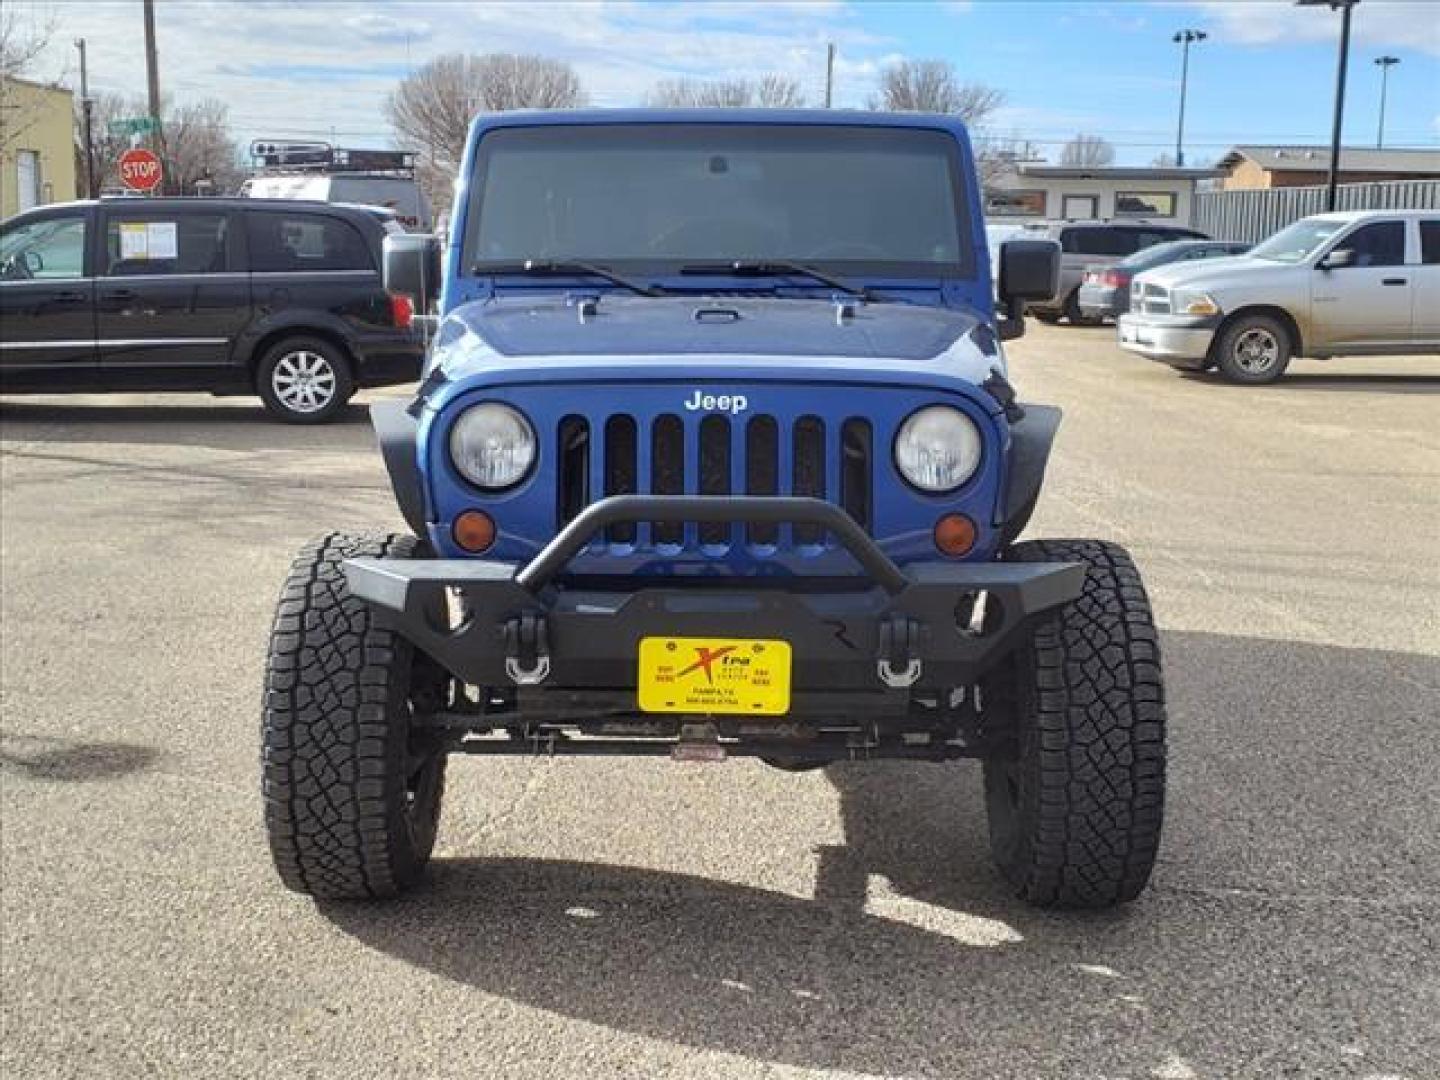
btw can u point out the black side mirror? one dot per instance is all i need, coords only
(1029, 270)
(411, 267)
(34, 261)
(1338, 258)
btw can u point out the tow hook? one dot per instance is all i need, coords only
(527, 649)
(898, 666)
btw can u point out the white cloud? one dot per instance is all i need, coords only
(1394, 24)
(303, 69)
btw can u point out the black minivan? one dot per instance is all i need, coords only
(235, 296)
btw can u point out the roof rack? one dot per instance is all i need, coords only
(272, 157)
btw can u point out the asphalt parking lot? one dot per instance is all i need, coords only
(614, 918)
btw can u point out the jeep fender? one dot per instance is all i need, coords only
(1030, 440)
(396, 431)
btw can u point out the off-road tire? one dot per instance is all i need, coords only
(299, 350)
(1259, 370)
(348, 812)
(1076, 798)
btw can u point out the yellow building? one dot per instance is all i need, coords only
(37, 145)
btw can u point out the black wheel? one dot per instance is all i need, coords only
(1075, 803)
(1048, 317)
(304, 380)
(352, 793)
(1073, 313)
(1253, 349)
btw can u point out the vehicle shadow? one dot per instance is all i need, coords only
(225, 424)
(1358, 383)
(1277, 888)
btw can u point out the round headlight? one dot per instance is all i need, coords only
(938, 448)
(492, 445)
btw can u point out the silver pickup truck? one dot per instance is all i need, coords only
(1354, 283)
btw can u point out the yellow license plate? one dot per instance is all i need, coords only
(714, 675)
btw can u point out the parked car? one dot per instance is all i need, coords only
(722, 461)
(234, 296)
(1364, 283)
(1105, 290)
(1084, 244)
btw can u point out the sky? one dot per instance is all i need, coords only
(320, 69)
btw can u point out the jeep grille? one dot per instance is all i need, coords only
(670, 454)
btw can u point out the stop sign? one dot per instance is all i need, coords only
(140, 170)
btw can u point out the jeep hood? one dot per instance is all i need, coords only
(555, 337)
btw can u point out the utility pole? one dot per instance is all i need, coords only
(87, 111)
(152, 76)
(1346, 8)
(1385, 63)
(1183, 38)
(829, 73)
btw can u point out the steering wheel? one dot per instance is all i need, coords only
(849, 249)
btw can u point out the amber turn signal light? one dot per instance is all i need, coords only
(954, 535)
(474, 530)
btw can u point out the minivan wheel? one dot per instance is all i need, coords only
(1254, 349)
(304, 380)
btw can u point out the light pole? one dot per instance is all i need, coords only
(1385, 63)
(1183, 38)
(87, 111)
(1344, 7)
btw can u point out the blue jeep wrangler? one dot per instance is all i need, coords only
(716, 455)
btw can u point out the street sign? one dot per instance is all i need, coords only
(132, 125)
(140, 170)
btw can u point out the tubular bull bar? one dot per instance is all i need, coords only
(933, 625)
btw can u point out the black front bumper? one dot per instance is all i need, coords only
(925, 627)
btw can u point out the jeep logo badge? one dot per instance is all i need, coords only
(726, 403)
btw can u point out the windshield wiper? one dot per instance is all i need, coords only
(563, 267)
(777, 268)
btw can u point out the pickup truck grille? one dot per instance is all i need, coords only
(713, 454)
(1147, 299)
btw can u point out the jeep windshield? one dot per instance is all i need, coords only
(662, 199)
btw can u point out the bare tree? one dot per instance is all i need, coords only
(431, 109)
(1087, 150)
(769, 91)
(194, 145)
(20, 46)
(934, 86)
(999, 154)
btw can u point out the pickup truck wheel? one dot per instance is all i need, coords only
(1075, 803)
(352, 793)
(1254, 349)
(304, 380)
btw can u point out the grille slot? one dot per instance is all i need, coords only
(762, 472)
(855, 477)
(714, 473)
(808, 471)
(620, 469)
(667, 472)
(573, 473)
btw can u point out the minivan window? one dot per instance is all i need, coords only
(282, 242)
(48, 250)
(179, 244)
(631, 195)
(1100, 241)
(1296, 243)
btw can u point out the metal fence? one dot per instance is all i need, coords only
(1250, 216)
